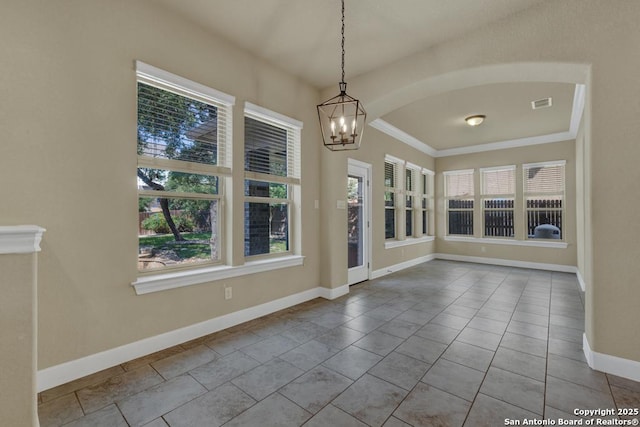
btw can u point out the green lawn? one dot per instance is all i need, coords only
(183, 249)
(201, 249)
(277, 245)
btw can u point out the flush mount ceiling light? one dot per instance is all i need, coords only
(475, 120)
(342, 117)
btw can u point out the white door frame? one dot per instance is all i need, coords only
(359, 274)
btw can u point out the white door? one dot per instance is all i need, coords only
(358, 221)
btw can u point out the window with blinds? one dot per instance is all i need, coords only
(498, 195)
(459, 199)
(389, 199)
(544, 187)
(410, 203)
(272, 169)
(183, 134)
(426, 199)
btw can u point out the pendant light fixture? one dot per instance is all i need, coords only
(342, 117)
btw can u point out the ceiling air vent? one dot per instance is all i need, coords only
(541, 103)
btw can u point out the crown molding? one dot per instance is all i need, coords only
(402, 136)
(576, 116)
(20, 239)
(513, 143)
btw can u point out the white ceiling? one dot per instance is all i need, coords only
(302, 37)
(439, 120)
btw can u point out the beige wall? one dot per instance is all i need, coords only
(579, 41)
(513, 156)
(18, 404)
(68, 121)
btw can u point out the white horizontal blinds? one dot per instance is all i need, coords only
(459, 192)
(540, 178)
(498, 181)
(178, 125)
(272, 151)
(498, 187)
(459, 183)
(389, 174)
(544, 187)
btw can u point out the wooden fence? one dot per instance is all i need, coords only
(499, 216)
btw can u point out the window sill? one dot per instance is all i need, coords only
(510, 242)
(165, 281)
(410, 241)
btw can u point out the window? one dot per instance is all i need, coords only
(183, 134)
(544, 199)
(389, 199)
(409, 196)
(498, 186)
(459, 198)
(272, 178)
(426, 199)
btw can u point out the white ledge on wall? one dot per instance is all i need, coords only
(178, 279)
(406, 242)
(511, 242)
(20, 239)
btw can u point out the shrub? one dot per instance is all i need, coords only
(158, 224)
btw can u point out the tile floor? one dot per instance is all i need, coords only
(440, 344)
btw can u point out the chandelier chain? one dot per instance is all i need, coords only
(342, 41)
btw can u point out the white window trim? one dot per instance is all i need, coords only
(149, 73)
(498, 168)
(389, 244)
(459, 172)
(428, 171)
(541, 164)
(508, 241)
(261, 113)
(393, 159)
(161, 282)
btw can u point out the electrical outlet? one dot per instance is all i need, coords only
(228, 293)
(483, 249)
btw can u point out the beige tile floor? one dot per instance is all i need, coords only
(440, 344)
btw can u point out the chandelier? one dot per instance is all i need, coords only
(342, 117)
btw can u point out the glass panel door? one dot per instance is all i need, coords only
(358, 221)
(354, 220)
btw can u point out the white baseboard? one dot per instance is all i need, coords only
(508, 263)
(333, 293)
(60, 374)
(610, 364)
(583, 285)
(401, 266)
